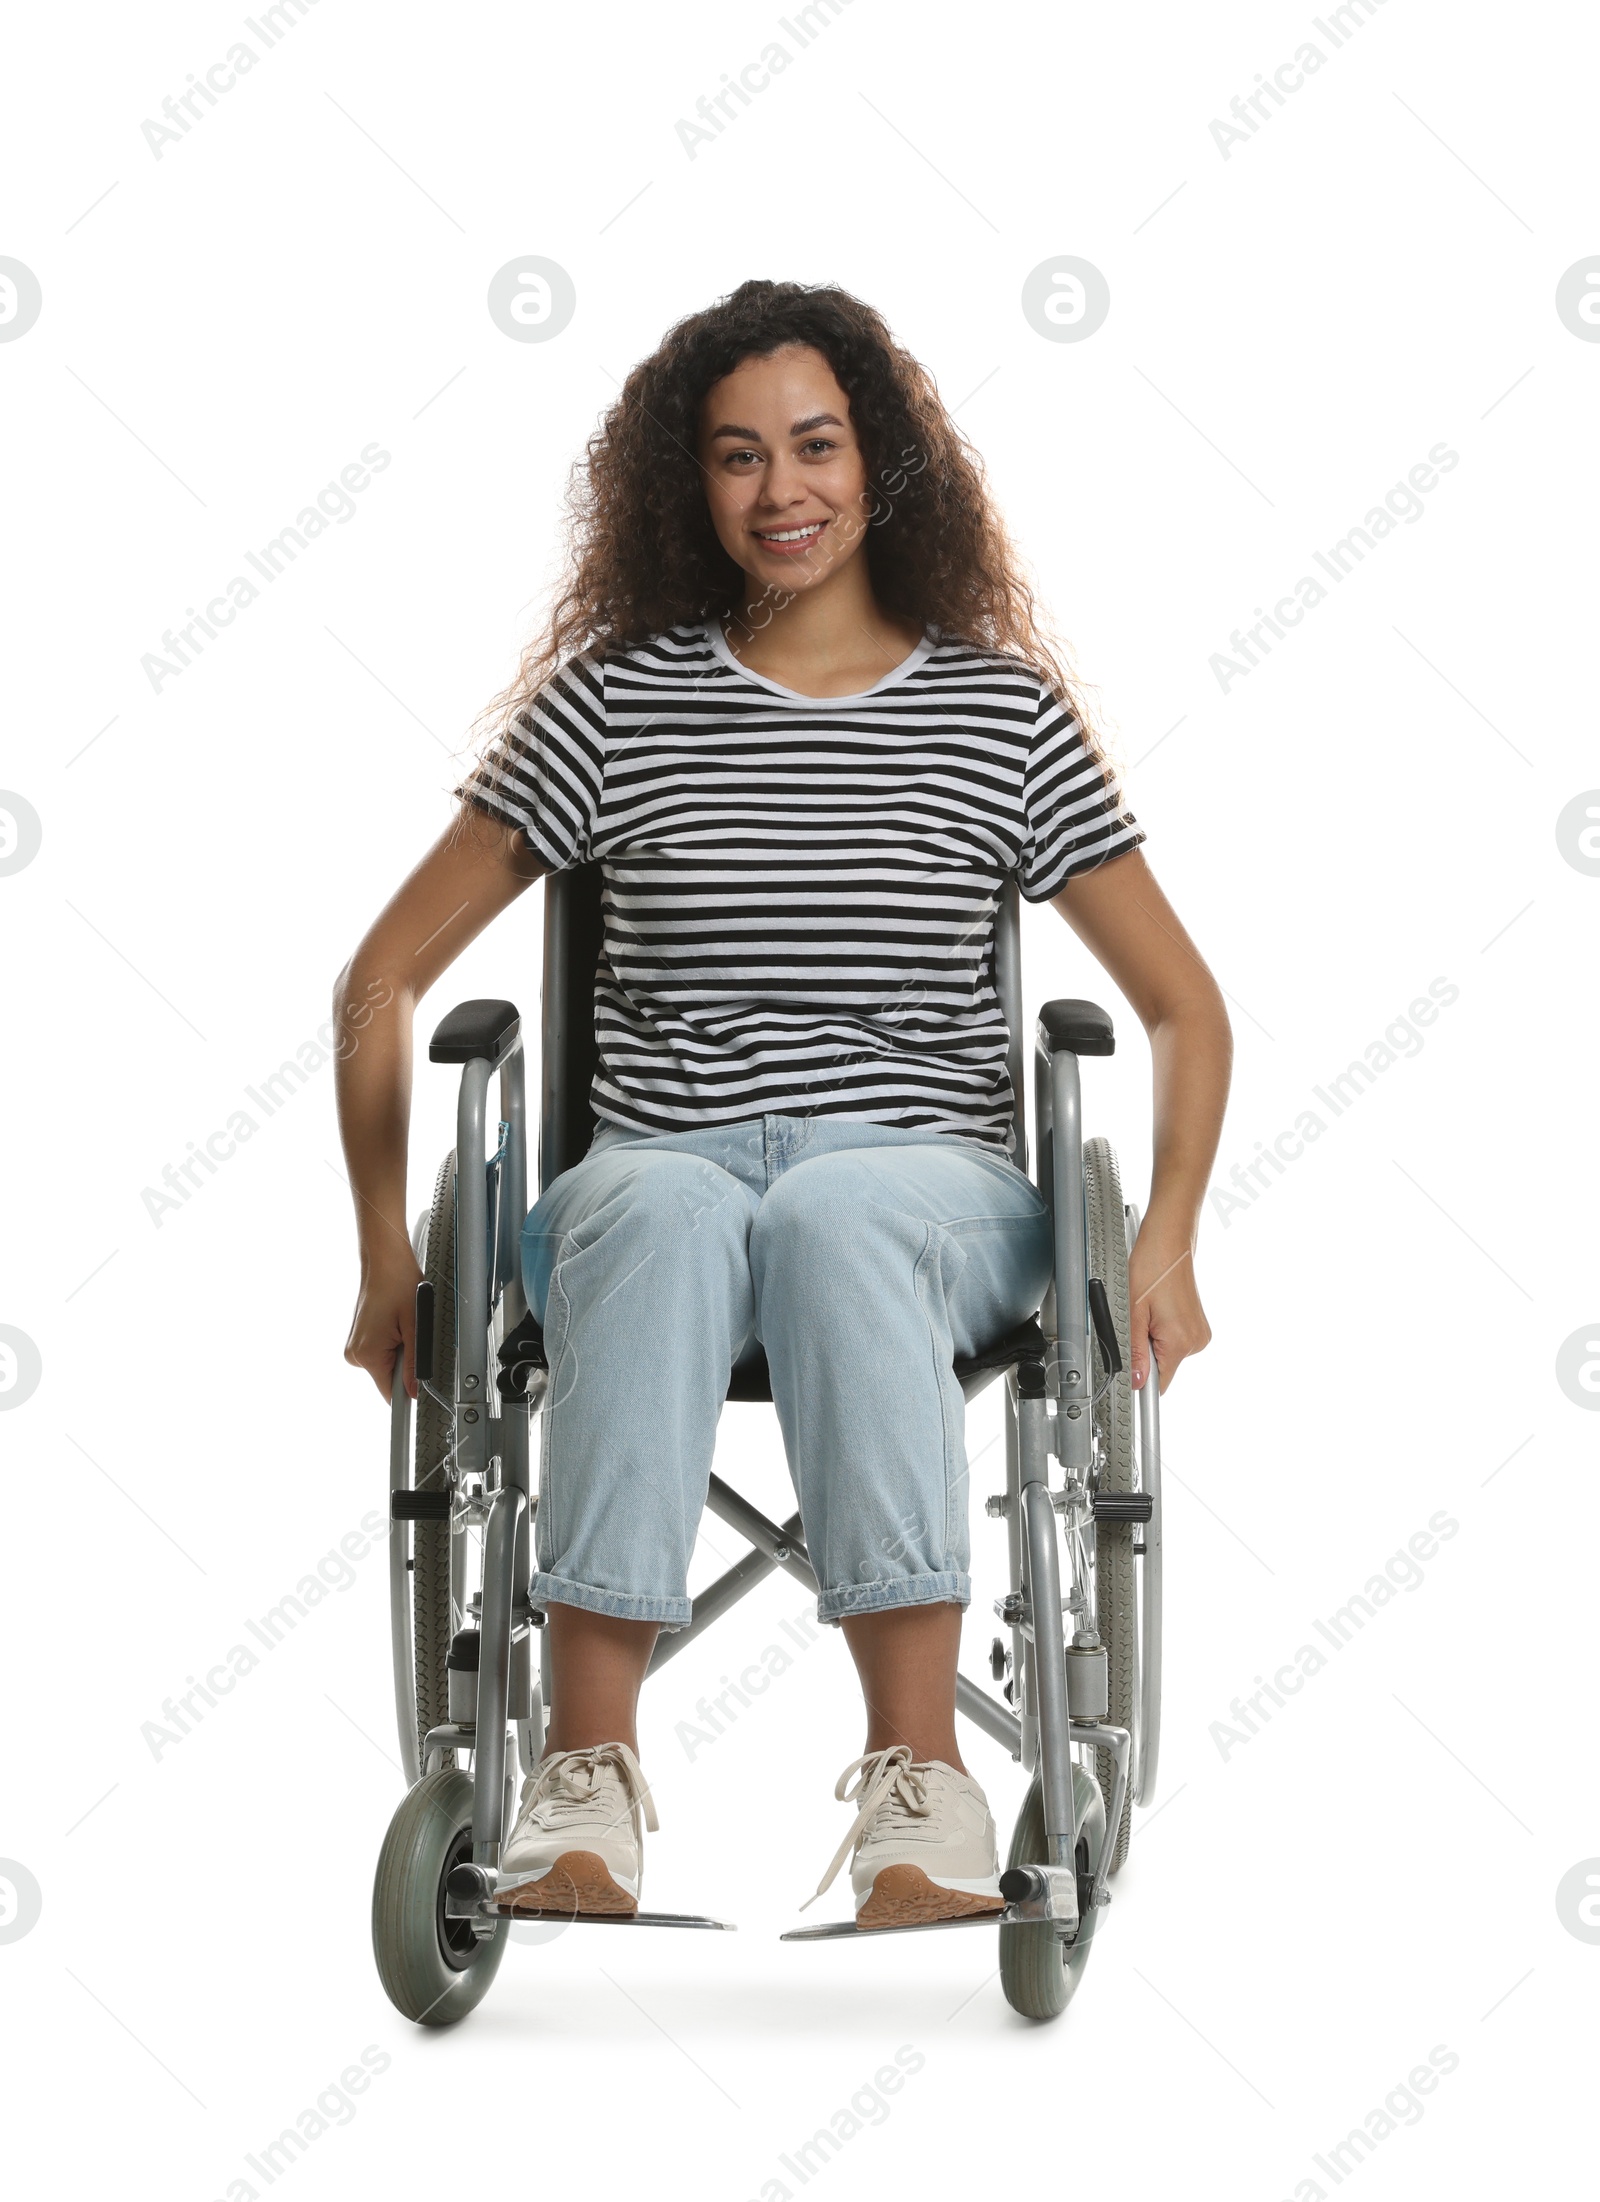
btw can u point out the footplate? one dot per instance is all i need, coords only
(832, 1932)
(478, 1892)
(607, 1918)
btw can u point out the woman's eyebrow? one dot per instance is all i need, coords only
(799, 428)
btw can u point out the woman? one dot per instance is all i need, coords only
(793, 699)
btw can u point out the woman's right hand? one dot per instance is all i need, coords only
(385, 1322)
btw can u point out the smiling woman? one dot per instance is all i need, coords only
(793, 700)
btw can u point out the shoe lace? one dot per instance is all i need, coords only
(885, 1782)
(567, 1785)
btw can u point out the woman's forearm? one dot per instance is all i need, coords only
(472, 872)
(1191, 1050)
(372, 1079)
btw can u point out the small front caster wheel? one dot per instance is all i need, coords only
(433, 1969)
(1038, 1971)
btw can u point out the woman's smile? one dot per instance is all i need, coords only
(789, 541)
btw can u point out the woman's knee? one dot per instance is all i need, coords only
(826, 1213)
(675, 1210)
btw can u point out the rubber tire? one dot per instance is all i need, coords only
(1039, 1973)
(432, 1622)
(423, 1841)
(1116, 1612)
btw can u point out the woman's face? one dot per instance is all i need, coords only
(784, 475)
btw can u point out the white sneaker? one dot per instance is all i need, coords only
(577, 1843)
(924, 1842)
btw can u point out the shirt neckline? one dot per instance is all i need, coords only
(920, 653)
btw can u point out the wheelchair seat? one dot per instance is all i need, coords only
(523, 1352)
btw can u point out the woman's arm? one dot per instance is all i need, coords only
(468, 877)
(1123, 918)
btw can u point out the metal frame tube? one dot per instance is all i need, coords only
(514, 1180)
(472, 1276)
(1047, 1648)
(1022, 1690)
(712, 1603)
(783, 1546)
(1060, 1099)
(1103, 1736)
(511, 1436)
(494, 1674)
(985, 1713)
(512, 1429)
(785, 1550)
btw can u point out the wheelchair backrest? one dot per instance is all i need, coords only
(568, 1057)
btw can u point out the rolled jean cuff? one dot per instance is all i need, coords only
(619, 1605)
(949, 1588)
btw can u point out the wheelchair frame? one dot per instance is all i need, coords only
(1059, 1687)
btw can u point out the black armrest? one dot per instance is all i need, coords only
(1083, 1028)
(473, 1029)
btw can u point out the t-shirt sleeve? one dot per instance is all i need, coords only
(1073, 818)
(546, 772)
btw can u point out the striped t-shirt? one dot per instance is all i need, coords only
(799, 891)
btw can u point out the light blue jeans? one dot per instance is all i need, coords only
(862, 1258)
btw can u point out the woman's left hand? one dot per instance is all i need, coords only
(1165, 1315)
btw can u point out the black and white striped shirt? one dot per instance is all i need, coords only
(800, 891)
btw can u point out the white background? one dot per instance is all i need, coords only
(1292, 328)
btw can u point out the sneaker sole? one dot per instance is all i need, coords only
(578, 1881)
(903, 1896)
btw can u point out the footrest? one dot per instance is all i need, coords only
(848, 1927)
(610, 1919)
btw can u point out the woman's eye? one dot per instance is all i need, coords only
(818, 443)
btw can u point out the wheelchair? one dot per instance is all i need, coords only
(1080, 1671)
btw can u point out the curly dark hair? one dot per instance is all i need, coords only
(643, 554)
